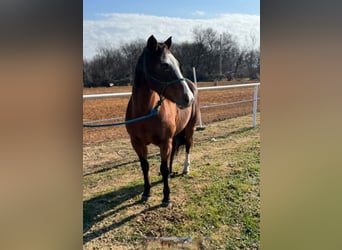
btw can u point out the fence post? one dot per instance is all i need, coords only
(255, 104)
(194, 73)
(195, 81)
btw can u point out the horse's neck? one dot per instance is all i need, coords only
(144, 99)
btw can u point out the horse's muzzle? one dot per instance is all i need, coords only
(186, 102)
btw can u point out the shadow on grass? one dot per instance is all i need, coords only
(229, 134)
(116, 166)
(240, 131)
(99, 208)
(151, 156)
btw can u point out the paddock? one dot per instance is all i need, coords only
(216, 105)
(216, 206)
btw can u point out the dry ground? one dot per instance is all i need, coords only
(97, 109)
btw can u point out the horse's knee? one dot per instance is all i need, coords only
(144, 164)
(164, 170)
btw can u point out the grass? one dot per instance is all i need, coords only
(217, 204)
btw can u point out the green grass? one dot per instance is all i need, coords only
(227, 209)
(217, 204)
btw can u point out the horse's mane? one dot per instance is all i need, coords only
(139, 70)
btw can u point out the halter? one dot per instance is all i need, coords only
(166, 83)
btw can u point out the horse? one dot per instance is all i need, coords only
(159, 84)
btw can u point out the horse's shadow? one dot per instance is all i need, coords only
(99, 208)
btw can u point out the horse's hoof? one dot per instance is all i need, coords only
(144, 199)
(166, 204)
(185, 172)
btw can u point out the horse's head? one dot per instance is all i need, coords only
(163, 73)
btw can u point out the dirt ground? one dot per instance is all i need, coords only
(214, 107)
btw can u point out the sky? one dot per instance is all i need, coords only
(113, 23)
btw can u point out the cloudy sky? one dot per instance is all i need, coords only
(113, 23)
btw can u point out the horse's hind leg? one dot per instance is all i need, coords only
(186, 165)
(188, 143)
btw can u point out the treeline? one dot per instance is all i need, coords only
(215, 57)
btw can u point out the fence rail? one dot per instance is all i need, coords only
(107, 95)
(127, 94)
(246, 85)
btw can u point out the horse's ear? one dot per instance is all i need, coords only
(168, 42)
(152, 43)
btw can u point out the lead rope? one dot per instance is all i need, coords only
(152, 113)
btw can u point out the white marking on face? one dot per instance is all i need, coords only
(174, 64)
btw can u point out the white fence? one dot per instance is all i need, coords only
(255, 96)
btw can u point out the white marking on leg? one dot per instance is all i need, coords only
(186, 168)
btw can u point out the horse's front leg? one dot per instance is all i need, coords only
(147, 185)
(165, 153)
(141, 151)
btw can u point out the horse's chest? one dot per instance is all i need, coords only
(161, 130)
(153, 131)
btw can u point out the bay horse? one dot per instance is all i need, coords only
(159, 83)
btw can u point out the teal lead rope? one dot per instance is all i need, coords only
(152, 113)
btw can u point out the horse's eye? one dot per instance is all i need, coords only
(165, 66)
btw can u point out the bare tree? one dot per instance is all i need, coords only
(220, 55)
(210, 52)
(251, 57)
(131, 52)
